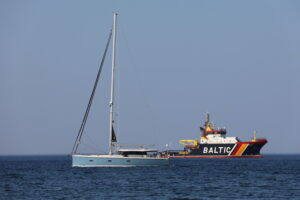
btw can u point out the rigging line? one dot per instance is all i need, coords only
(80, 132)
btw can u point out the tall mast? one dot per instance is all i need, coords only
(111, 103)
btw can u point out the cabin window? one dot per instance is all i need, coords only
(109, 161)
(128, 160)
(91, 160)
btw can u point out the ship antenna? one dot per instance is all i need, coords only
(206, 118)
(254, 135)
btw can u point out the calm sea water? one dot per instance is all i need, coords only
(52, 177)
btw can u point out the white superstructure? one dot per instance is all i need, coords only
(217, 139)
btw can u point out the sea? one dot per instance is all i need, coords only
(52, 177)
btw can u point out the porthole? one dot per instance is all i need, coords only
(91, 160)
(109, 161)
(128, 160)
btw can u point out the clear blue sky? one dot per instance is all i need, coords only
(237, 60)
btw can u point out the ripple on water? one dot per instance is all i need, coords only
(53, 178)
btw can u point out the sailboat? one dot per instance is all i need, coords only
(116, 157)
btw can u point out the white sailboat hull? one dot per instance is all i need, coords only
(116, 161)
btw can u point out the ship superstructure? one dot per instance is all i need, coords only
(213, 143)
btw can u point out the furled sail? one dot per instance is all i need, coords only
(113, 135)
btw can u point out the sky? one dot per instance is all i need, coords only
(176, 60)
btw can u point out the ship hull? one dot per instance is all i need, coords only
(116, 161)
(235, 150)
(216, 156)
